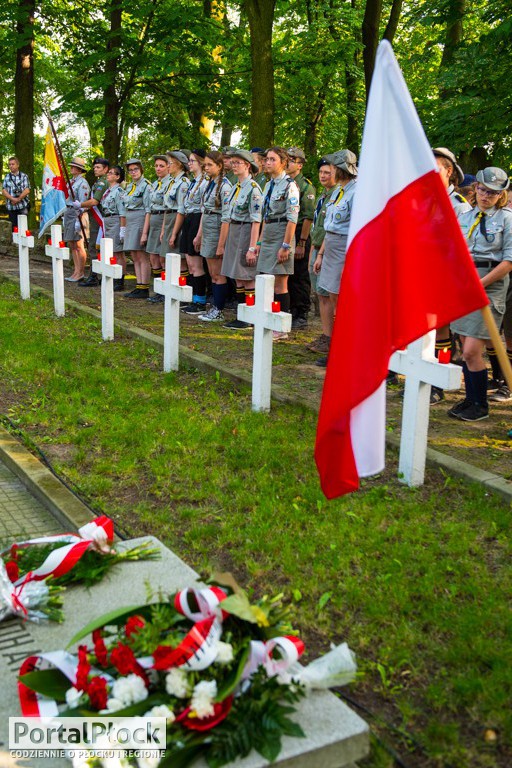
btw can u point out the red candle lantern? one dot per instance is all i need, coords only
(276, 306)
(15, 229)
(28, 233)
(99, 256)
(162, 276)
(49, 241)
(113, 259)
(62, 244)
(445, 355)
(249, 299)
(182, 280)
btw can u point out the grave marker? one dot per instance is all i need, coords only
(265, 321)
(422, 371)
(109, 272)
(24, 240)
(173, 293)
(58, 252)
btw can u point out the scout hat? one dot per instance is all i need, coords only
(186, 152)
(443, 152)
(247, 156)
(296, 152)
(134, 161)
(344, 159)
(322, 161)
(161, 157)
(228, 150)
(493, 178)
(258, 151)
(179, 155)
(101, 161)
(78, 162)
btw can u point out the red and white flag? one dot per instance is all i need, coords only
(407, 271)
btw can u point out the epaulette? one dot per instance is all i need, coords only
(459, 197)
(253, 184)
(309, 181)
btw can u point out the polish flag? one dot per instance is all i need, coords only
(407, 271)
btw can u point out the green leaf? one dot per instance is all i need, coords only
(49, 682)
(117, 617)
(232, 680)
(270, 747)
(324, 600)
(240, 606)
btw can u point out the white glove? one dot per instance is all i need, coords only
(77, 225)
(77, 204)
(122, 231)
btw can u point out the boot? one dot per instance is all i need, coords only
(119, 284)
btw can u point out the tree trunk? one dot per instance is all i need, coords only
(260, 14)
(455, 15)
(370, 37)
(394, 17)
(225, 137)
(353, 137)
(24, 92)
(112, 138)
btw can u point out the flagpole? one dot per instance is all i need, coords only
(64, 168)
(497, 343)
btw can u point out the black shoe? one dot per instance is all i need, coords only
(91, 282)
(436, 395)
(457, 409)
(239, 325)
(187, 306)
(157, 299)
(321, 362)
(118, 284)
(494, 384)
(299, 322)
(138, 293)
(474, 412)
(195, 308)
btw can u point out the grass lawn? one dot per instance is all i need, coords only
(418, 582)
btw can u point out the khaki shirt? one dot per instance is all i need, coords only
(98, 189)
(112, 202)
(81, 189)
(175, 192)
(318, 228)
(137, 196)
(158, 188)
(193, 196)
(498, 226)
(216, 200)
(307, 194)
(245, 201)
(459, 202)
(339, 208)
(283, 202)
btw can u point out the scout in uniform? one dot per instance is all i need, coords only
(75, 221)
(330, 258)
(258, 155)
(114, 221)
(100, 167)
(451, 174)
(280, 214)
(488, 232)
(137, 203)
(215, 212)
(227, 154)
(326, 178)
(299, 284)
(187, 225)
(238, 237)
(158, 188)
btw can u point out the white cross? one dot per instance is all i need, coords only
(109, 272)
(58, 251)
(24, 240)
(265, 321)
(173, 293)
(422, 371)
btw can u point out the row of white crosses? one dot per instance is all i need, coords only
(418, 363)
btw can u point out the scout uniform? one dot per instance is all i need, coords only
(459, 202)
(337, 220)
(190, 207)
(174, 196)
(280, 205)
(245, 206)
(96, 193)
(215, 209)
(156, 221)
(137, 203)
(317, 235)
(299, 285)
(73, 216)
(112, 205)
(261, 179)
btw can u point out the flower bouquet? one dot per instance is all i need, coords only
(220, 669)
(33, 572)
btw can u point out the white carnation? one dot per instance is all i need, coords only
(73, 696)
(224, 653)
(129, 690)
(162, 711)
(202, 698)
(176, 683)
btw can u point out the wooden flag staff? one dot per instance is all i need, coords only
(497, 343)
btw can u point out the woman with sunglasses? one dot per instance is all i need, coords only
(488, 232)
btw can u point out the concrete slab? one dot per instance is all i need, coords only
(335, 736)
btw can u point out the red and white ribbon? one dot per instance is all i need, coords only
(197, 650)
(98, 534)
(289, 648)
(207, 601)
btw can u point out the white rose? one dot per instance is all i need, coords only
(73, 696)
(162, 711)
(224, 653)
(202, 698)
(129, 690)
(176, 683)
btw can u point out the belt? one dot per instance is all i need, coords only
(109, 215)
(161, 210)
(232, 221)
(483, 264)
(213, 213)
(276, 221)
